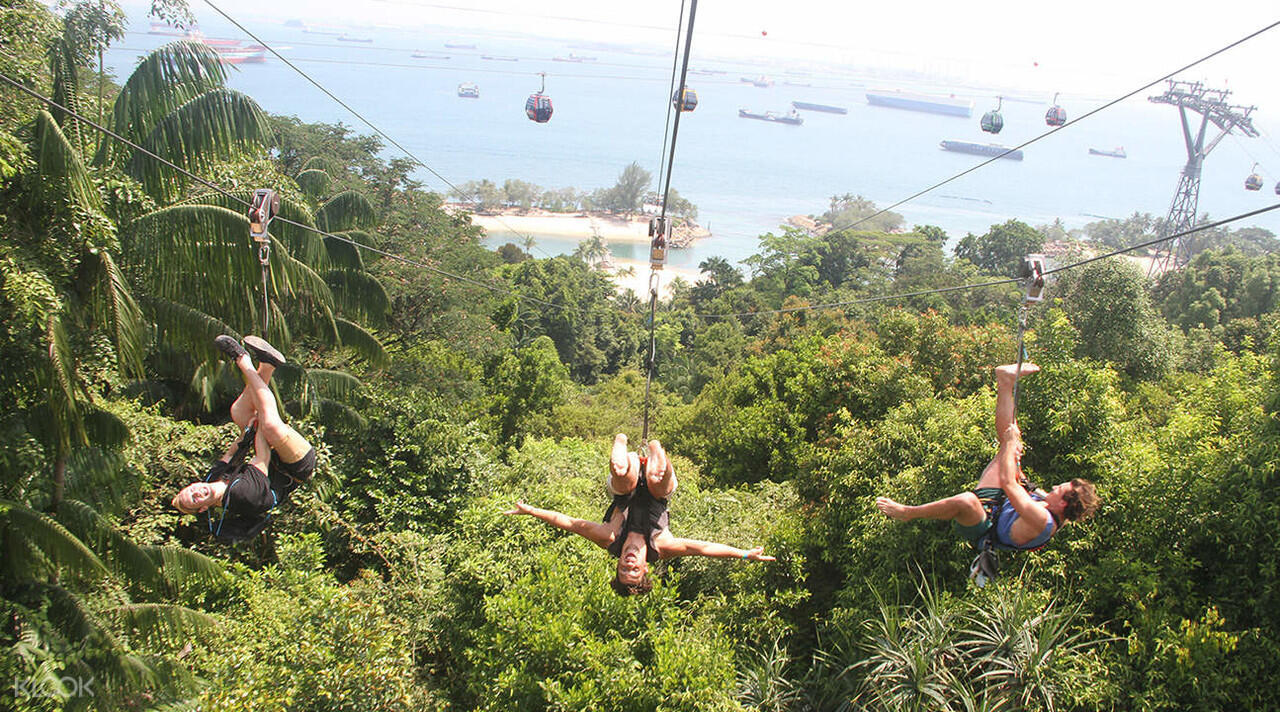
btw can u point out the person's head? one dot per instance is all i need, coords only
(1075, 501)
(632, 578)
(195, 497)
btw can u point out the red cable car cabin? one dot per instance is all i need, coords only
(538, 108)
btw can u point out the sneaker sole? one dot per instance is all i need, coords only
(263, 350)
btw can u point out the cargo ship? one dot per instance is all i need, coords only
(467, 90)
(789, 118)
(990, 150)
(806, 106)
(1117, 152)
(933, 104)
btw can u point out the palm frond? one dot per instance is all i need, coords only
(66, 90)
(99, 477)
(367, 345)
(305, 244)
(62, 174)
(343, 254)
(166, 79)
(320, 163)
(291, 277)
(163, 622)
(359, 294)
(198, 255)
(314, 182)
(124, 558)
(186, 328)
(113, 306)
(216, 126)
(49, 537)
(347, 210)
(333, 413)
(183, 567)
(64, 394)
(337, 385)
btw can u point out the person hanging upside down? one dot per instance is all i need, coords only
(282, 458)
(635, 528)
(1022, 518)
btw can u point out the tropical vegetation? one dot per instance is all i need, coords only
(442, 382)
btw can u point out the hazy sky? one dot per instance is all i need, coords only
(1100, 48)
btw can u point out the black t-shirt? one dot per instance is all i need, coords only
(246, 503)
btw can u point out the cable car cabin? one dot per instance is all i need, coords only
(685, 100)
(1278, 188)
(538, 108)
(1055, 116)
(992, 122)
(1253, 182)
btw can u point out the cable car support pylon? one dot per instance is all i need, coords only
(1213, 108)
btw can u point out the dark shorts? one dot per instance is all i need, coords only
(299, 471)
(974, 534)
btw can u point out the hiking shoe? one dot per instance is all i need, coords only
(229, 347)
(265, 353)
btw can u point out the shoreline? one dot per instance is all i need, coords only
(576, 225)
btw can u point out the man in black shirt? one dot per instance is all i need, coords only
(282, 458)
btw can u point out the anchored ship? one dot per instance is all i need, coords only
(819, 107)
(789, 118)
(933, 104)
(991, 150)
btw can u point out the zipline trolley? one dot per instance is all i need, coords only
(658, 242)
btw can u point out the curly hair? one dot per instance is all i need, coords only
(1081, 501)
(631, 589)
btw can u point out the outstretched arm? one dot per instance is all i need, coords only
(695, 547)
(597, 533)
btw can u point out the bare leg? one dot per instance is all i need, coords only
(963, 508)
(660, 473)
(279, 436)
(1006, 377)
(243, 411)
(623, 473)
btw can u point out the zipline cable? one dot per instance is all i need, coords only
(222, 191)
(998, 282)
(666, 123)
(1072, 122)
(662, 219)
(355, 113)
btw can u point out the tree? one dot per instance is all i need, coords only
(1108, 304)
(527, 385)
(89, 27)
(519, 193)
(1002, 249)
(849, 210)
(625, 195)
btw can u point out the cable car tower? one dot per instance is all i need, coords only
(1213, 108)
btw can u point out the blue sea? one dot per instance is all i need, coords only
(746, 177)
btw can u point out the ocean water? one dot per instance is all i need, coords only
(745, 176)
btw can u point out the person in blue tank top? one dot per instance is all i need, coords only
(1022, 518)
(636, 525)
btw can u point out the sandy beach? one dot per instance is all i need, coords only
(573, 225)
(578, 226)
